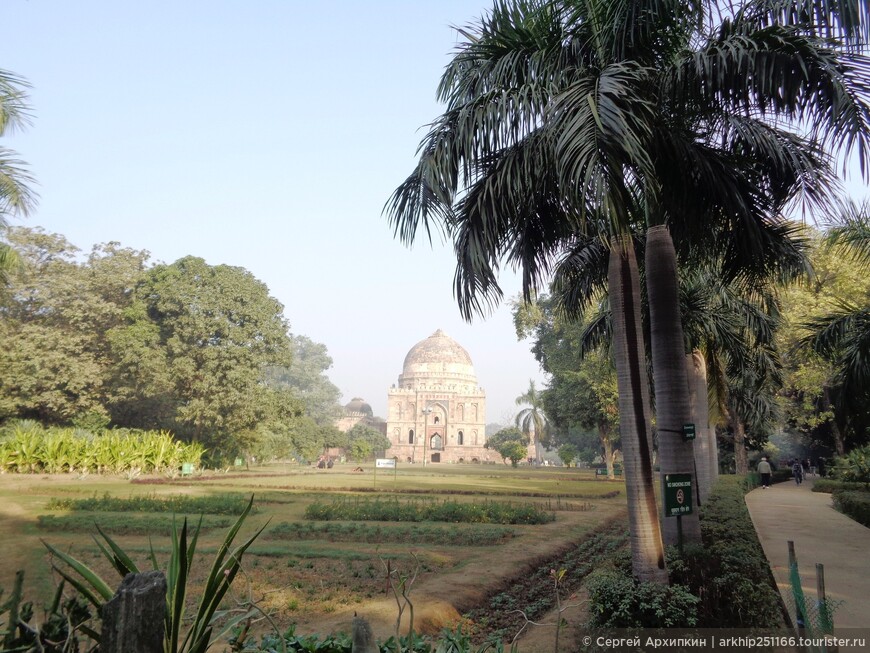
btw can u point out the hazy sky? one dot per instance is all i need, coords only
(266, 135)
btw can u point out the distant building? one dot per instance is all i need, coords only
(357, 411)
(437, 411)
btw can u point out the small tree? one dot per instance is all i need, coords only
(568, 453)
(510, 443)
(364, 442)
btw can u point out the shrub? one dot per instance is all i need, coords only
(419, 534)
(829, 486)
(222, 504)
(855, 504)
(853, 467)
(619, 601)
(488, 512)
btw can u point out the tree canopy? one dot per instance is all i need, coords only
(108, 339)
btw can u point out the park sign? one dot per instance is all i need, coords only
(688, 432)
(678, 495)
(389, 463)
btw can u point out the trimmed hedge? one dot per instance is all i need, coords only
(829, 486)
(855, 504)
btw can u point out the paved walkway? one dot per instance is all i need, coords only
(787, 511)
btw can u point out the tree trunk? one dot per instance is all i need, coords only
(647, 550)
(673, 409)
(607, 444)
(741, 459)
(836, 433)
(696, 370)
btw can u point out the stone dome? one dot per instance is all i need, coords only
(358, 405)
(438, 357)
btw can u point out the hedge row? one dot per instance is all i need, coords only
(855, 504)
(488, 512)
(829, 486)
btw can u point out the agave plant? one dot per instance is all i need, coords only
(225, 567)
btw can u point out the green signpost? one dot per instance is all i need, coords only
(688, 432)
(678, 499)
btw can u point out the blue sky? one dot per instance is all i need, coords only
(262, 134)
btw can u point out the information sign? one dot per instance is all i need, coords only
(389, 463)
(688, 431)
(678, 495)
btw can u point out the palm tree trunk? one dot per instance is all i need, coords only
(673, 409)
(741, 459)
(607, 444)
(696, 370)
(647, 550)
(836, 433)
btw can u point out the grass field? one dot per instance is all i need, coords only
(312, 573)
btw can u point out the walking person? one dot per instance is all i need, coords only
(798, 472)
(764, 470)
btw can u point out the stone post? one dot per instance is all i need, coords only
(133, 618)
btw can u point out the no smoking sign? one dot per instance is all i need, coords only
(678, 495)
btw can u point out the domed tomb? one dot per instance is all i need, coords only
(437, 412)
(438, 357)
(357, 406)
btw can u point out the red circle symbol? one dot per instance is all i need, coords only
(680, 496)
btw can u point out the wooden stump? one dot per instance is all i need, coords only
(133, 618)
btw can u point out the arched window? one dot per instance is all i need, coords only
(437, 419)
(435, 443)
(460, 438)
(410, 436)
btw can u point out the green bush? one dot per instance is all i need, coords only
(419, 534)
(829, 486)
(488, 512)
(617, 600)
(854, 467)
(221, 504)
(854, 504)
(123, 524)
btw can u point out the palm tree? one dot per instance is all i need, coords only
(15, 196)
(532, 419)
(569, 120)
(843, 336)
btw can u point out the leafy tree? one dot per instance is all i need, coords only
(568, 454)
(582, 393)
(510, 443)
(198, 340)
(829, 338)
(57, 314)
(306, 378)
(364, 442)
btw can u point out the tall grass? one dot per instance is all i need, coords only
(27, 447)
